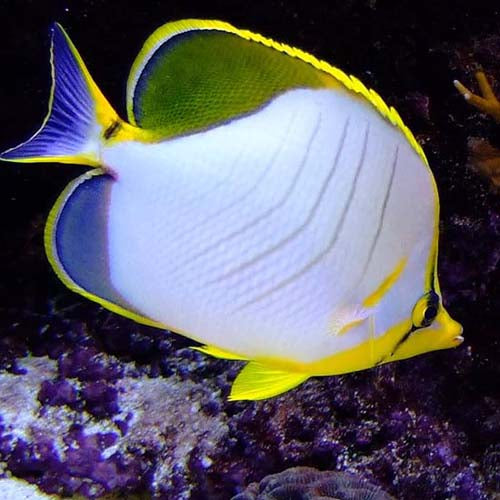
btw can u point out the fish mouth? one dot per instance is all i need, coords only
(458, 340)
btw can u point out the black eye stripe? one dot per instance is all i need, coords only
(403, 339)
(430, 312)
(432, 299)
(431, 308)
(426, 309)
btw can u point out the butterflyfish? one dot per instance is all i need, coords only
(257, 200)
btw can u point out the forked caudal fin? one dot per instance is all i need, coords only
(78, 113)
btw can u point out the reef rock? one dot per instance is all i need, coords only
(306, 483)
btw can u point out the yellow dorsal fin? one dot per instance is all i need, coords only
(257, 381)
(219, 353)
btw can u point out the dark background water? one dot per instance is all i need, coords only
(410, 52)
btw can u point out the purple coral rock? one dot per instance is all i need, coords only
(100, 399)
(116, 474)
(491, 466)
(58, 392)
(30, 460)
(86, 364)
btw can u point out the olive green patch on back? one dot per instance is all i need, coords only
(201, 78)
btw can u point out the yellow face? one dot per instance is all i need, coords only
(432, 329)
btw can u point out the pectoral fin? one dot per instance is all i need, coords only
(257, 381)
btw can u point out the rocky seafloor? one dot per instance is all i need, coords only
(93, 404)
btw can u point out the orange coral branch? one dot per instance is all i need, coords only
(485, 159)
(487, 102)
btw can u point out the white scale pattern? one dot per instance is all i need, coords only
(244, 237)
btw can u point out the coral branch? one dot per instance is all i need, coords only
(487, 102)
(485, 159)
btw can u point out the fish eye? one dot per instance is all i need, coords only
(425, 310)
(429, 314)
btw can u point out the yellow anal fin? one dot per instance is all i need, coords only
(257, 381)
(219, 353)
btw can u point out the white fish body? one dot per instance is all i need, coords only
(300, 235)
(264, 236)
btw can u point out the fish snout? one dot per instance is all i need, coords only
(451, 330)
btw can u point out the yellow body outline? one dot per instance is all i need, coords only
(364, 355)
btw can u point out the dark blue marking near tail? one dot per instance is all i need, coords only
(81, 237)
